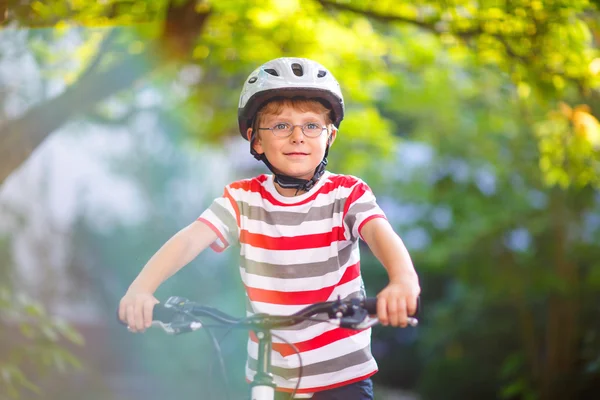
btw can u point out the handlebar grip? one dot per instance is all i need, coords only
(371, 305)
(160, 313)
(163, 314)
(418, 310)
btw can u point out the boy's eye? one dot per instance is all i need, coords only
(281, 126)
(312, 125)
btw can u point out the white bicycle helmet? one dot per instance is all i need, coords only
(289, 77)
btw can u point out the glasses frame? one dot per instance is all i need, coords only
(291, 129)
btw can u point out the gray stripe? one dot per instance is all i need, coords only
(306, 324)
(295, 271)
(350, 218)
(290, 218)
(225, 217)
(358, 357)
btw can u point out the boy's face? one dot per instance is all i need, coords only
(296, 155)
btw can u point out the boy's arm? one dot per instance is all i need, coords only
(399, 299)
(177, 252)
(137, 304)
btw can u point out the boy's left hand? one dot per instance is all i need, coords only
(397, 301)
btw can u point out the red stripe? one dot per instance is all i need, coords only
(301, 242)
(228, 196)
(256, 186)
(303, 297)
(322, 340)
(214, 245)
(252, 185)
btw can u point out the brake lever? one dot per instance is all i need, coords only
(179, 304)
(175, 310)
(177, 327)
(352, 321)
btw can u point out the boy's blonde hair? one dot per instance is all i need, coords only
(276, 106)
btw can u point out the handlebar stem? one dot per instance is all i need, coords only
(263, 376)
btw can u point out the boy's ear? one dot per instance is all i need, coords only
(332, 135)
(256, 145)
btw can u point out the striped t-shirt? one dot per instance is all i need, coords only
(295, 251)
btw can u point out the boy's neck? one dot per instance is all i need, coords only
(288, 192)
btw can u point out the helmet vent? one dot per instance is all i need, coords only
(297, 69)
(271, 71)
(321, 73)
(252, 80)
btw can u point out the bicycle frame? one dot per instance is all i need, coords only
(262, 386)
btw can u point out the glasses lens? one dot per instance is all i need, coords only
(282, 129)
(312, 129)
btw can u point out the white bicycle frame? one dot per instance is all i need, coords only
(262, 385)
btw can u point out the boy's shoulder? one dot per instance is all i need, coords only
(251, 184)
(344, 180)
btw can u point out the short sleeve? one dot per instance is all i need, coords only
(223, 218)
(360, 207)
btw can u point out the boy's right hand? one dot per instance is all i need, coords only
(135, 309)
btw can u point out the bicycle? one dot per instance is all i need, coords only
(179, 315)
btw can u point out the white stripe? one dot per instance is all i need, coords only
(346, 289)
(323, 380)
(216, 221)
(299, 284)
(291, 257)
(303, 335)
(305, 228)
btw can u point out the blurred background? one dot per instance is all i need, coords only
(475, 122)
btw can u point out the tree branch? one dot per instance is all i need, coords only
(20, 137)
(431, 25)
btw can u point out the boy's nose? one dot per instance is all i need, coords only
(297, 134)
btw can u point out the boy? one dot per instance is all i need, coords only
(298, 231)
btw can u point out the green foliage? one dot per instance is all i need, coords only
(33, 343)
(37, 349)
(545, 48)
(569, 144)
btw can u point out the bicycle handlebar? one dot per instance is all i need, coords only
(179, 315)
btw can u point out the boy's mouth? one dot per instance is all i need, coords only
(296, 154)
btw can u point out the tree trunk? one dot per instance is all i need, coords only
(562, 329)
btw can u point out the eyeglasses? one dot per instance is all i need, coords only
(283, 129)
